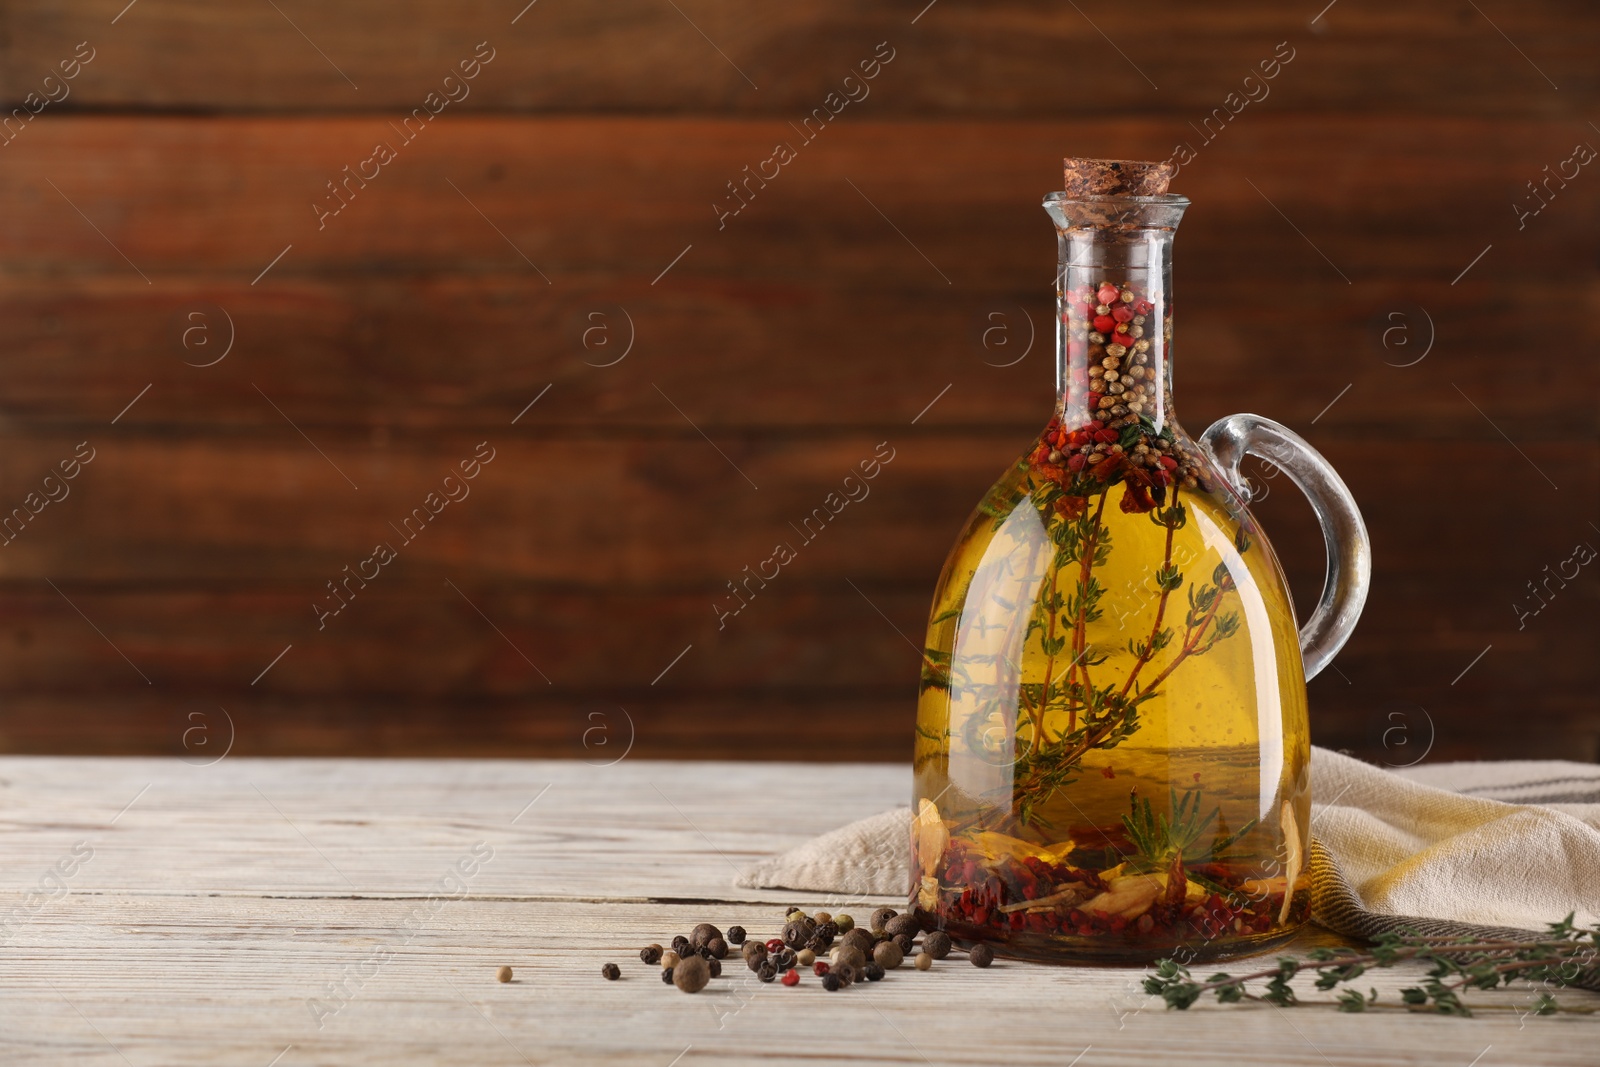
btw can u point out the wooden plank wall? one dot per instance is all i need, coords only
(554, 236)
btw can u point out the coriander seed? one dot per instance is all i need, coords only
(806, 957)
(924, 961)
(503, 974)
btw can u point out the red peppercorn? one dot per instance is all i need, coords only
(1168, 462)
(819, 968)
(1143, 307)
(775, 944)
(1122, 314)
(1108, 293)
(1104, 323)
(1105, 435)
(791, 977)
(1076, 462)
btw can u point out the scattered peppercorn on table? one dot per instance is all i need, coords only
(276, 913)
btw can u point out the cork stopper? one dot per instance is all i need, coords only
(1115, 177)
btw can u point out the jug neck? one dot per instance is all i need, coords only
(1114, 308)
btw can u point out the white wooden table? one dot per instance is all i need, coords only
(277, 912)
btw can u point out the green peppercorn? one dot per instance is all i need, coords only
(881, 917)
(692, 974)
(937, 944)
(735, 935)
(650, 954)
(831, 983)
(701, 935)
(980, 955)
(611, 972)
(818, 943)
(844, 923)
(872, 972)
(924, 961)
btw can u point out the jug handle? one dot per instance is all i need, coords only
(1344, 589)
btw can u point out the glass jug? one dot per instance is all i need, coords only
(1112, 748)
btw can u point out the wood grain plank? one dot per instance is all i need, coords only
(1379, 198)
(233, 897)
(719, 57)
(414, 355)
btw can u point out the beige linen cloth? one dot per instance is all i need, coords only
(1498, 848)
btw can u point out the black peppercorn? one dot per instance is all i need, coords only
(718, 947)
(830, 982)
(818, 944)
(701, 935)
(860, 940)
(650, 954)
(716, 967)
(903, 924)
(766, 972)
(937, 944)
(873, 972)
(905, 942)
(680, 945)
(704, 952)
(980, 955)
(666, 975)
(881, 917)
(784, 959)
(692, 974)
(611, 972)
(798, 931)
(829, 930)
(735, 935)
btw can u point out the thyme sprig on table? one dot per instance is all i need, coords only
(1567, 956)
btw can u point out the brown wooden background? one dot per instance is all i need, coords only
(1386, 158)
